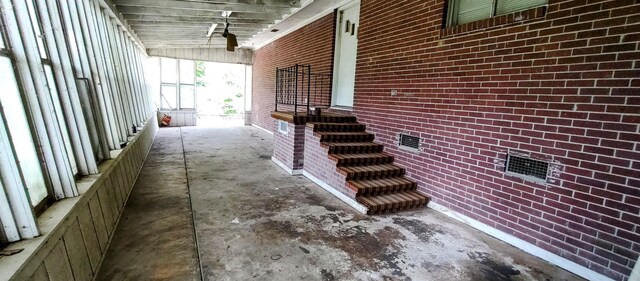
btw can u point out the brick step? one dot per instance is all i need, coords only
(371, 172)
(334, 119)
(344, 136)
(352, 147)
(381, 186)
(360, 159)
(337, 127)
(395, 202)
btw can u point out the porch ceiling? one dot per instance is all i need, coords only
(185, 23)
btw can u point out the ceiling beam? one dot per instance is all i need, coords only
(195, 30)
(162, 46)
(198, 40)
(201, 40)
(170, 5)
(171, 22)
(275, 3)
(154, 11)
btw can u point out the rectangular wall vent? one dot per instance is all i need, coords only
(529, 168)
(283, 127)
(408, 141)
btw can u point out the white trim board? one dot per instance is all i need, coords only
(267, 131)
(353, 203)
(287, 169)
(635, 274)
(522, 245)
(302, 24)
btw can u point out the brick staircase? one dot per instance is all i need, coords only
(378, 184)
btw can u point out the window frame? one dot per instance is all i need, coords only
(47, 72)
(178, 85)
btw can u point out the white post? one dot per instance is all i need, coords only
(83, 74)
(66, 83)
(38, 99)
(101, 91)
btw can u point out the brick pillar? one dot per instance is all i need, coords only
(288, 147)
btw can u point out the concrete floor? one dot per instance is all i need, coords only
(255, 222)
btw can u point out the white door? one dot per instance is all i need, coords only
(346, 50)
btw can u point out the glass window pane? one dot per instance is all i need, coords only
(168, 97)
(57, 107)
(36, 29)
(472, 10)
(168, 67)
(187, 72)
(509, 6)
(20, 133)
(187, 96)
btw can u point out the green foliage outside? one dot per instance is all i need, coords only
(200, 73)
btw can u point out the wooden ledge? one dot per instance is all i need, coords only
(302, 118)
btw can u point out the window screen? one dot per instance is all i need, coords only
(505, 7)
(187, 72)
(169, 69)
(187, 96)
(465, 11)
(473, 10)
(169, 97)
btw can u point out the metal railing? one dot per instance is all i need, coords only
(299, 89)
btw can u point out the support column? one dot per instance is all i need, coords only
(288, 146)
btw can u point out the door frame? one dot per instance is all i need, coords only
(336, 53)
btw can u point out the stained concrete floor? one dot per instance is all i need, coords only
(255, 222)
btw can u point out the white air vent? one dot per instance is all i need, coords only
(283, 127)
(409, 142)
(527, 168)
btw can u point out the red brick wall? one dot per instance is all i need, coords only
(312, 44)
(289, 148)
(563, 87)
(318, 164)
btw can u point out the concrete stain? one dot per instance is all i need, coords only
(327, 275)
(423, 231)
(487, 268)
(255, 222)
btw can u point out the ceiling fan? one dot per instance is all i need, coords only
(232, 41)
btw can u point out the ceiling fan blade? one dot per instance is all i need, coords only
(232, 42)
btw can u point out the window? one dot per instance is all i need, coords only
(62, 104)
(177, 89)
(465, 11)
(169, 68)
(169, 96)
(20, 134)
(51, 83)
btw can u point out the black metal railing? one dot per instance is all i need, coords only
(298, 89)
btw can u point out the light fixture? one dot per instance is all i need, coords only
(211, 29)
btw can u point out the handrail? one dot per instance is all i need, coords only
(297, 86)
